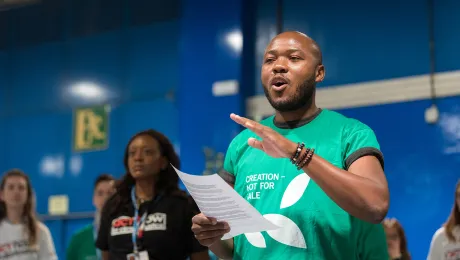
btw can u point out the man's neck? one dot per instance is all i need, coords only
(14, 216)
(144, 189)
(299, 114)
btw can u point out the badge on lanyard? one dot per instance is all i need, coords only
(137, 231)
(143, 255)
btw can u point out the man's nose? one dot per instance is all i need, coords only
(280, 67)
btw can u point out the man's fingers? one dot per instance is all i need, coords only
(211, 234)
(201, 219)
(255, 143)
(252, 125)
(246, 122)
(203, 228)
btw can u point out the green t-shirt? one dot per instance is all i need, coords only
(82, 245)
(312, 225)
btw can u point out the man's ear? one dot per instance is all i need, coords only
(320, 73)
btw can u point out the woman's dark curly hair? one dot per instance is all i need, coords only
(167, 181)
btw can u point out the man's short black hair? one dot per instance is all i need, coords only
(103, 177)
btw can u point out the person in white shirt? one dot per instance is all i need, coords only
(22, 236)
(445, 244)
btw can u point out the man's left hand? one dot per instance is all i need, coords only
(272, 143)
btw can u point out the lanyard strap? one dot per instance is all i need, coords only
(136, 221)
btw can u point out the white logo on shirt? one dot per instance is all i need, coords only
(288, 233)
(15, 248)
(156, 221)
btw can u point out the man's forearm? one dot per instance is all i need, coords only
(359, 196)
(223, 249)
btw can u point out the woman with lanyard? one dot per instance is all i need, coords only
(81, 245)
(22, 236)
(149, 217)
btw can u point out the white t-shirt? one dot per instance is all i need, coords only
(14, 244)
(443, 249)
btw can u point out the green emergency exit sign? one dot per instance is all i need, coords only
(91, 128)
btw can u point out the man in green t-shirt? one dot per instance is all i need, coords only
(315, 173)
(82, 244)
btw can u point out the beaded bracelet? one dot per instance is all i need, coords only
(307, 159)
(302, 156)
(295, 156)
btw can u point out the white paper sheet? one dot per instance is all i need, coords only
(217, 199)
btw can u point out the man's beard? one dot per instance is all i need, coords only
(303, 97)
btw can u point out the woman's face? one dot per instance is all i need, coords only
(144, 157)
(14, 194)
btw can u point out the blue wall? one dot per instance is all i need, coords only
(447, 21)
(160, 72)
(359, 42)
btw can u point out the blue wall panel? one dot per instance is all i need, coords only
(158, 114)
(3, 103)
(36, 143)
(206, 57)
(153, 60)
(57, 229)
(35, 78)
(420, 164)
(359, 42)
(3, 145)
(4, 80)
(96, 59)
(447, 34)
